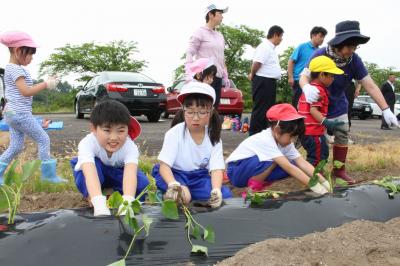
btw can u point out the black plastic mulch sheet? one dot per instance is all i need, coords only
(74, 237)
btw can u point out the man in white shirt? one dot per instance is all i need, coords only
(264, 73)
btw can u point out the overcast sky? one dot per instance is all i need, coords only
(162, 28)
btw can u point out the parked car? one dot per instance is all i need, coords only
(361, 109)
(2, 93)
(141, 94)
(376, 110)
(231, 102)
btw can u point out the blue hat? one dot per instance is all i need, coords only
(346, 30)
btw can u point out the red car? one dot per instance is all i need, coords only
(231, 102)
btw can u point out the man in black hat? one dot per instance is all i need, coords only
(341, 49)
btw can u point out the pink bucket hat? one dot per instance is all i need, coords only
(199, 66)
(17, 39)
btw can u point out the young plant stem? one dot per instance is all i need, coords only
(133, 241)
(189, 216)
(144, 191)
(188, 227)
(9, 204)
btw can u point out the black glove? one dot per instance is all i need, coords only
(333, 125)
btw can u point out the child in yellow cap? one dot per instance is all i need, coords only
(314, 142)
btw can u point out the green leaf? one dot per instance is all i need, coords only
(131, 222)
(320, 167)
(337, 164)
(118, 263)
(115, 200)
(29, 169)
(147, 221)
(170, 209)
(11, 176)
(197, 249)
(209, 234)
(341, 182)
(196, 231)
(152, 197)
(136, 206)
(257, 199)
(3, 200)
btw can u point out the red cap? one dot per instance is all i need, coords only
(283, 112)
(134, 128)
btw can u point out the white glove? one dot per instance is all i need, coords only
(311, 93)
(319, 189)
(326, 185)
(100, 205)
(52, 82)
(173, 191)
(389, 117)
(129, 199)
(215, 200)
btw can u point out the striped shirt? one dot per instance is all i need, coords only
(15, 100)
(313, 127)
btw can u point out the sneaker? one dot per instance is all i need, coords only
(257, 185)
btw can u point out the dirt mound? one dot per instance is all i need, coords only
(355, 243)
(51, 201)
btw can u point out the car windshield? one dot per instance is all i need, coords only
(128, 77)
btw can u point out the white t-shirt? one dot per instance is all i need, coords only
(264, 146)
(89, 148)
(180, 152)
(266, 55)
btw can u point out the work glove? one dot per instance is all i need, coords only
(121, 209)
(389, 117)
(319, 189)
(311, 93)
(52, 82)
(100, 205)
(333, 125)
(326, 185)
(215, 200)
(173, 192)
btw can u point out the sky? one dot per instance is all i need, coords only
(162, 28)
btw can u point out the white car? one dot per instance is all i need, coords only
(376, 110)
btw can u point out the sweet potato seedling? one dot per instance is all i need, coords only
(10, 195)
(326, 171)
(258, 198)
(389, 185)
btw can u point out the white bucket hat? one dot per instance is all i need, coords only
(196, 87)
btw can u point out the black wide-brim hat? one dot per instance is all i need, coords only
(346, 30)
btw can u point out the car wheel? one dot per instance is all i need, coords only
(165, 114)
(154, 117)
(362, 117)
(78, 114)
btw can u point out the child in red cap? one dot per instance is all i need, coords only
(108, 157)
(314, 142)
(270, 155)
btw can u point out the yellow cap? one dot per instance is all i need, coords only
(324, 64)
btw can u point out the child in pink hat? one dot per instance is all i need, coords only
(19, 91)
(270, 155)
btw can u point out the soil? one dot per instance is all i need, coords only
(356, 243)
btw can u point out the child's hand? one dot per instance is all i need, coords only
(215, 200)
(174, 188)
(52, 82)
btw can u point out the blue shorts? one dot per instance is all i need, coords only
(239, 172)
(109, 177)
(198, 182)
(317, 148)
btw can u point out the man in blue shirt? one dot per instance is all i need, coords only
(299, 59)
(341, 49)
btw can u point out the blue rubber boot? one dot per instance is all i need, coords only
(3, 167)
(49, 172)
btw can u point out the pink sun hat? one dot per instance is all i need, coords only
(199, 66)
(16, 39)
